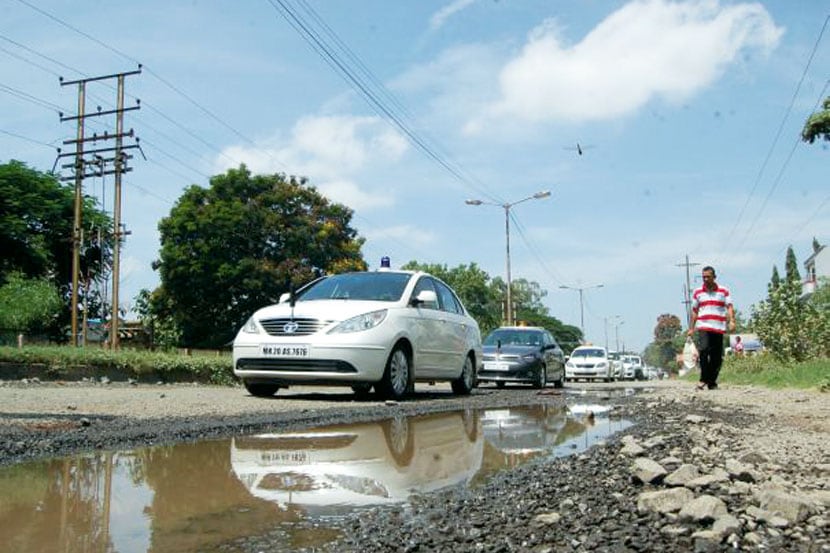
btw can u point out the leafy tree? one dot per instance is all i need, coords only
(36, 221)
(164, 332)
(229, 249)
(668, 341)
(28, 305)
(775, 281)
(792, 266)
(818, 125)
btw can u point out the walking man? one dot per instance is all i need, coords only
(711, 311)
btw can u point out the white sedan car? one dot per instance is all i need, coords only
(589, 362)
(383, 329)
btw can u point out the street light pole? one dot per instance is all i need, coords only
(506, 207)
(581, 305)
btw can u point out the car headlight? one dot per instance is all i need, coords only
(602, 365)
(250, 326)
(569, 365)
(530, 357)
(361, 322)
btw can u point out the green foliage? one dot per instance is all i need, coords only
(668, 342)
(63, 362)
(791, 266)
(792, 328)
(36, 221)
(818, 125)
(768, 370)
(236, 246)
(28, 305)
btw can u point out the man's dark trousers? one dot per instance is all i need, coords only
(710, 353)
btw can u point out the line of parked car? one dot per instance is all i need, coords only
(388, 329)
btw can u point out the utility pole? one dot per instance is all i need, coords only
(687, 296)
(80, 165)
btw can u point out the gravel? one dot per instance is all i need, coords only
(738, 468)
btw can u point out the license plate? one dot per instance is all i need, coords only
(284, 350)
(496, 367)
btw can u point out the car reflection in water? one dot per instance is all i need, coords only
(332, 470)
(519, 434)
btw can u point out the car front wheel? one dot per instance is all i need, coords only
(464, 384)
(541, 377)
(395, 379)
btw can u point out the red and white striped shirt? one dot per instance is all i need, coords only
(710, 308)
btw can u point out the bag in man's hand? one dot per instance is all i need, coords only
(690, 354)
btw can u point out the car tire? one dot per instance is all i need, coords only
(396, 375)
(472, 422)
(261, 390)
(499, 384)
(465, 383)
(541, 378)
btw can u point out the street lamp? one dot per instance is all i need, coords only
(581, 305)
(506, 207)
(617, 332)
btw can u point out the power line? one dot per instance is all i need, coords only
(341, 67)
(776, 138)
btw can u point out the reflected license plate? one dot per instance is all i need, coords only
(284, 350)
(496, 366)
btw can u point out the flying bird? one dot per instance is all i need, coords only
(579, 149)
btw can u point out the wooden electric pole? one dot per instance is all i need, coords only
(99, 164)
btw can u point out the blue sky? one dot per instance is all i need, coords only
(689, 114)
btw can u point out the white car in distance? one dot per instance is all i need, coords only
(589, 362)
(384, 329)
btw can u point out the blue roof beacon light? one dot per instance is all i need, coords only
(385, 263)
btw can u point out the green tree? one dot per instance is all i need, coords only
(818, 125)
(229, 249)
(28, 305)
(668, 342)
(792, 272)
(36, 221)
(775, 280)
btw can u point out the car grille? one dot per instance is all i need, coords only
(276, 327)
(585, 365)
(298, 365)
(501, 357)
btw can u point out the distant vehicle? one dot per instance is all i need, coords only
(632, 367)
(589, 362)
(616, 365)
(523, 354)
(383, 329)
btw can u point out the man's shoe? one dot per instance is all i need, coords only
(713, 386)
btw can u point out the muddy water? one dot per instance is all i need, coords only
(204, 496)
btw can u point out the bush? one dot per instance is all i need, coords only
(65, 362)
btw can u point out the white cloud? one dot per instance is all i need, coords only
(647, 49)
(440, 17)
(413, 235)
(331, 151)
(349, 194)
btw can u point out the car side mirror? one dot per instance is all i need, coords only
(285, 297)
(425, 296)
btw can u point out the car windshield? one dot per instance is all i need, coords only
(514, 338)
(587, 352)
(378, 286)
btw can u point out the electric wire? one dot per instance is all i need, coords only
(772, 147)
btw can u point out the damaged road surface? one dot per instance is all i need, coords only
(588, 468)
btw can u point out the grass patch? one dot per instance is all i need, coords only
(767, 371)
(68, 363)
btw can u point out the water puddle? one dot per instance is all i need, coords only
(209, 495)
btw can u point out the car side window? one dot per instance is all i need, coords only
(425, 283)
(447, 298)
